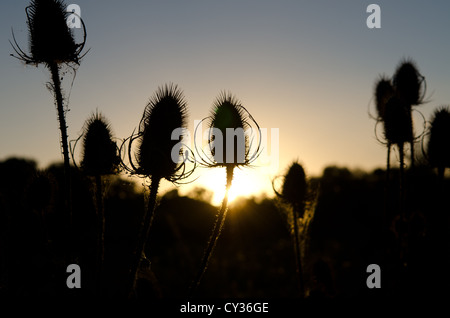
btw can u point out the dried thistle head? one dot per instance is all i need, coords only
(438, 148)
(383, 92)
(100, 155)
(165, 112)
(397, 121)
(228, 140)
(408, 83)
(50, 39)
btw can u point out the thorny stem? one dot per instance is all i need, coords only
(154, 186)
(412, 142)
(220, 220)
(402, 179)
(388, 173)
(404, 234)
(298, 252)
(54, 69)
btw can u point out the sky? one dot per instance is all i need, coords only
(304, 69)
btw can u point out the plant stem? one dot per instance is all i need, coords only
(154, 186)
(387, 187)
(402, 180)
(412, 139)
(54, 69)
(404, 223)
(220, 220)
(298, 252)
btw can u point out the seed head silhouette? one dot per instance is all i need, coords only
(50, 40)
(227, 115)
(100, 156)
(294, 188)
(53, 44)
(408, 83)
(298, 194)
(165, 112)
(234, 147)
(438, 148)
(383, 92)
(397, 122)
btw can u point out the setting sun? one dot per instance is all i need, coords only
(248, 182)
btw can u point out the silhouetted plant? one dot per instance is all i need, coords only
(100, 158)
(164, 114)
(229, 147)
(383, 92)
(438, 148)
(406, 89)
(410, 89)
(297, 193)
(52, 43)
(394, 102)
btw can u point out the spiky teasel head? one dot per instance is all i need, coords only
(294, 190)
(50, 39)
(100, 155)
(165, 112)
(397, 121)
(438, 149)
(229, 141)
(409, 84)
(383, 92)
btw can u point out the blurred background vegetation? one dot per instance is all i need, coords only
(355, 224)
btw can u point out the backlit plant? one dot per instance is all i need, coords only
(229, 147)
(153, 159)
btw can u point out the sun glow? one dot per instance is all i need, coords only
(246, 183)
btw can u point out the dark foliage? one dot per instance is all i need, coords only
(254, 257)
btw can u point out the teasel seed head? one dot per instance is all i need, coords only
(383, 92)
(408, 83)
(397, 121)
(438, 148)
(100, 154)
(165, 112)
(231, 137)
(228, 116)
(50, 39)
(294, 190)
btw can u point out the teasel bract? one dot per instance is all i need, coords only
(100, 158)
(230, 147)
(52, 43)
(164, 114)
(438, 147)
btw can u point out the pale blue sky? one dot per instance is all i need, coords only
(305, 67)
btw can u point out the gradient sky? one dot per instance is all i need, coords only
(305, 67)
